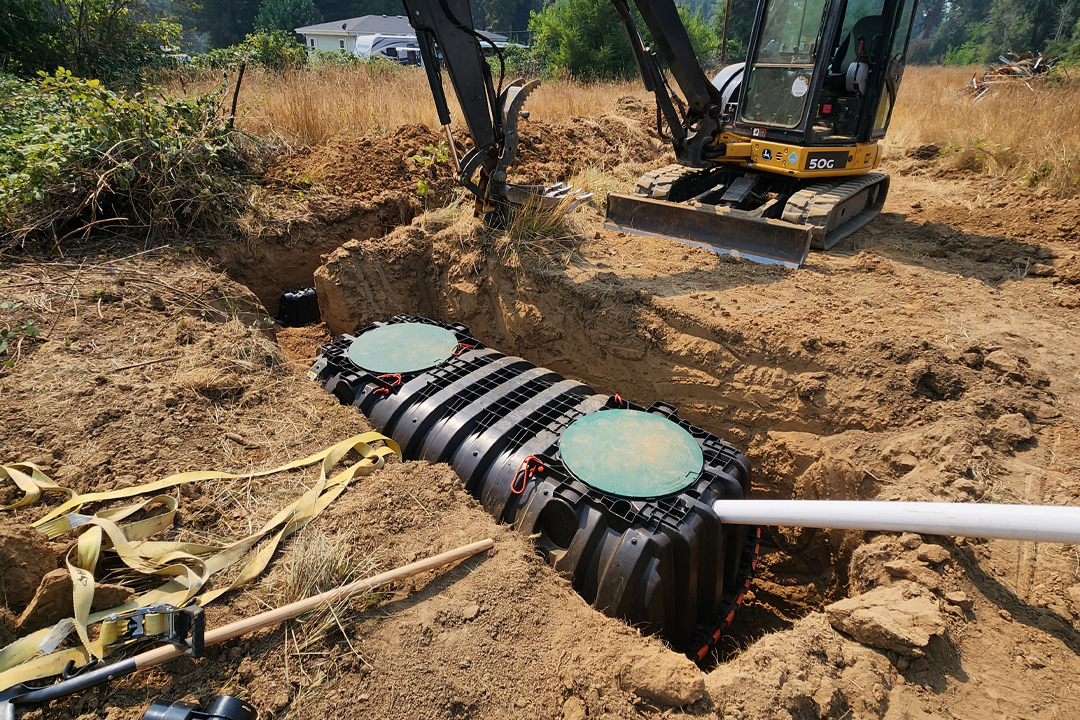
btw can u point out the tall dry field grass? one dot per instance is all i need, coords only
(311, 105)
(1027, 134)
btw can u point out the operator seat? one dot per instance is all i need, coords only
(871, 28)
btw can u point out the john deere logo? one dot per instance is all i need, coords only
(766, 154)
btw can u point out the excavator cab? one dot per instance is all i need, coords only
(823, 73)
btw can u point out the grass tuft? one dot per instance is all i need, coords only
(541, 231)
(321, 561)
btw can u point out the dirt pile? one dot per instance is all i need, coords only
(362, 278)
(553, 152)
(660, 677)
(409, 160)
(809, 671)
(317, 199)
(53, 600)
(361, 169)
(900, 617)
(29, 558)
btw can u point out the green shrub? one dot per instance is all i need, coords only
(75, 156)
(276, 51)
(584, 38)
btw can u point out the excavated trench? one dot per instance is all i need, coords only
(617, 338)
(817, 416)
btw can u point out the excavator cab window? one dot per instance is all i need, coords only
(782, 69)
(825, 72)
(865, 43)
(857, 49)
(895, 71)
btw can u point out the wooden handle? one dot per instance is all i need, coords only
(157, 656)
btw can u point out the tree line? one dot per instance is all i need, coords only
(581, 33)
(114, 39)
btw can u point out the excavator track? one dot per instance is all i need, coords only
(837, 208)
(675, 183)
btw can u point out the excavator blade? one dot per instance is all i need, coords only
(708, 226)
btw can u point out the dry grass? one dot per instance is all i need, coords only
(599, 181)
(321, 561)
(1028, 135)
(311, 105)
(541, 232)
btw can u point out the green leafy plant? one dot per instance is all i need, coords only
(16, 334)
(75, 156)
(432, 156)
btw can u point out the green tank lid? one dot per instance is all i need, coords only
(402, 348)
(631, 453)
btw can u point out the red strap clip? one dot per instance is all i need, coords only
(525, 472)
(397, 381)
(460, 348)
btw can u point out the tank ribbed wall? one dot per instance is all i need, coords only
(665, 564)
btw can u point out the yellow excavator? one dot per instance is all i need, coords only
(775, 155)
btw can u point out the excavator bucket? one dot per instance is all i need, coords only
(709, 226)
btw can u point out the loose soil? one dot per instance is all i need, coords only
(932, 356)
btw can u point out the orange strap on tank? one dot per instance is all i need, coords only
(460, 348)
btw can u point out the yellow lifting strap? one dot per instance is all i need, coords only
(189, 566)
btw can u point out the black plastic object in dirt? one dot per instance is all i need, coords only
(223, 707)
(298, 307)
(665, 564)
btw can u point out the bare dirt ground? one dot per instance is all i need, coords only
(932, 356)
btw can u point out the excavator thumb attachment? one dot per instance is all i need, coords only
(448, 40)
(708, 226)
(511, 104)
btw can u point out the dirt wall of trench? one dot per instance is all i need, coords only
(821, 414)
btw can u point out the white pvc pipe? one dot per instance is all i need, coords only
(1037, 523)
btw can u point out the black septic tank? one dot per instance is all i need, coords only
(297, 308)
(619, 494)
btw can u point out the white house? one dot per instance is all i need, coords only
(389, 35)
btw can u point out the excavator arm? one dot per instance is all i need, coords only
(446, 37)
(444, 28)
(694, 124)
